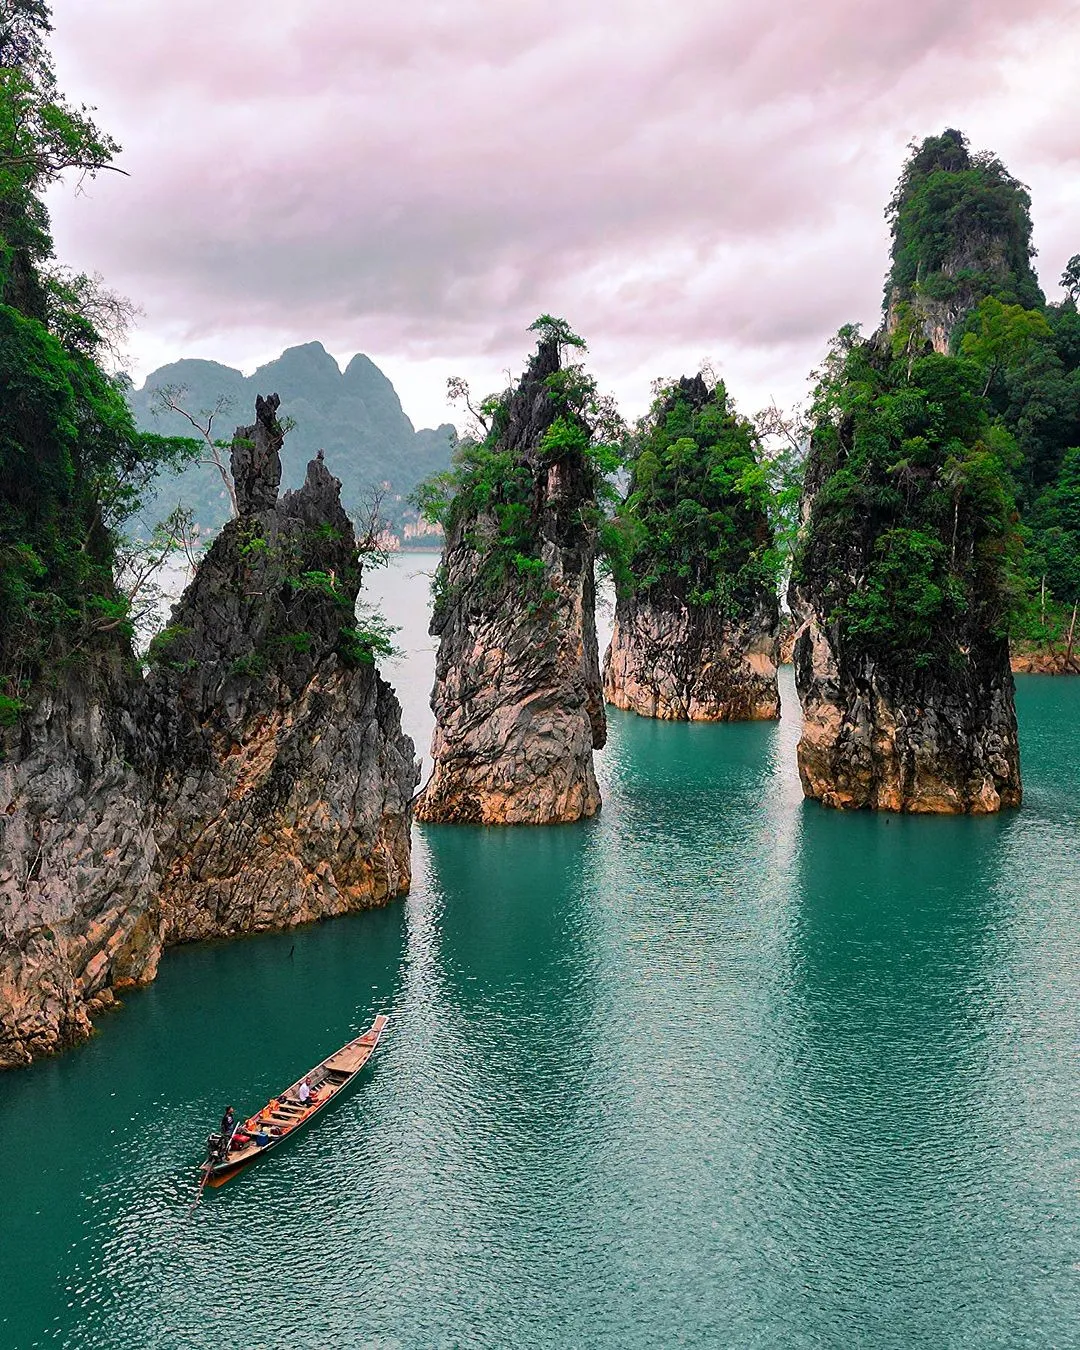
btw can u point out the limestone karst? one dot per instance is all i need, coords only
(696, 619)
(284, 785)
(517, 698)
(961, 231)
(258, 777)
(901, 590)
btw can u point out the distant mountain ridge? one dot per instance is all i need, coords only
(354, 416)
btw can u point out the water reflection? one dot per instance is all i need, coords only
(886, 1139)
(718, 1068)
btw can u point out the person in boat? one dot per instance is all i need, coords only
(303, 1093)
(228, 1123)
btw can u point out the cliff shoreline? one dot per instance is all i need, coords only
(256, 778)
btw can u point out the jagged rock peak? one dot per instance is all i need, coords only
(287, 782)
(256, 458)
(318, 502)
(257, 778)
(961, 228)
(517, 699)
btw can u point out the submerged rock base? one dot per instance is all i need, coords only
(945, 742)
(687, 664)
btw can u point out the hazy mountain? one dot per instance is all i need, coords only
(354, 416)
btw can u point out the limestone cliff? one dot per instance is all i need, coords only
(285, 781)
(899, 594)
(77, 860)
(961, 230)
(696, 617)
(687, 664)
(257, 778)
(517, 697)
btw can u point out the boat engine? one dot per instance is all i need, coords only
(217, 1146)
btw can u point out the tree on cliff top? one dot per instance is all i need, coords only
(961, 227)
(554, 413)
(695, 523)
(912, 545)
(71, 460)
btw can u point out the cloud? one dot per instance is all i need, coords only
(421, 178)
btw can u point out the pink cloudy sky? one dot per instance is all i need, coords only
(418, 179)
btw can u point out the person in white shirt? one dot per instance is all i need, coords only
(303, 1093)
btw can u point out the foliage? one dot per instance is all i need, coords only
(158, 653)
(72, 464)
(71, 469)
(1070, 279)
(10, 710)
(998, 337)
(1055, 532)
(558, 331)
(370, 638)
(913, 523)
(961, 226)
(695, 521)
(489, 494)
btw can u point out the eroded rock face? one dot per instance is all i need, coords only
(517, 699)
(257, 778)
(684, 663)
(936, 741)
(285, 783)
(77, 863)
(975, 254)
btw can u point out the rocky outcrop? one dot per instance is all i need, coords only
(285, 780)
(961, 231)
(696, 617)
(517, 698)
(690, 664)
(77, 861)
(885, 726)
(1045, 659)
(257, 778)
(941, 741)
(975, 266)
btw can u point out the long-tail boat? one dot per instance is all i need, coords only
(285, 1115)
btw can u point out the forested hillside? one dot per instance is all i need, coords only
(962, 277)
(354, 417)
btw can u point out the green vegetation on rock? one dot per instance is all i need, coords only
(961, 228)
(962, 274)
(695, 521)
(912, 536)
(488, 496)
(72, 463)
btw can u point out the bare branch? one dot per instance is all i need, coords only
(457, 391)
(170, 397)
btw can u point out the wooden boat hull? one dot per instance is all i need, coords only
(338, 1072)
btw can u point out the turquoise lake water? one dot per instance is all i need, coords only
(719, 1068)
